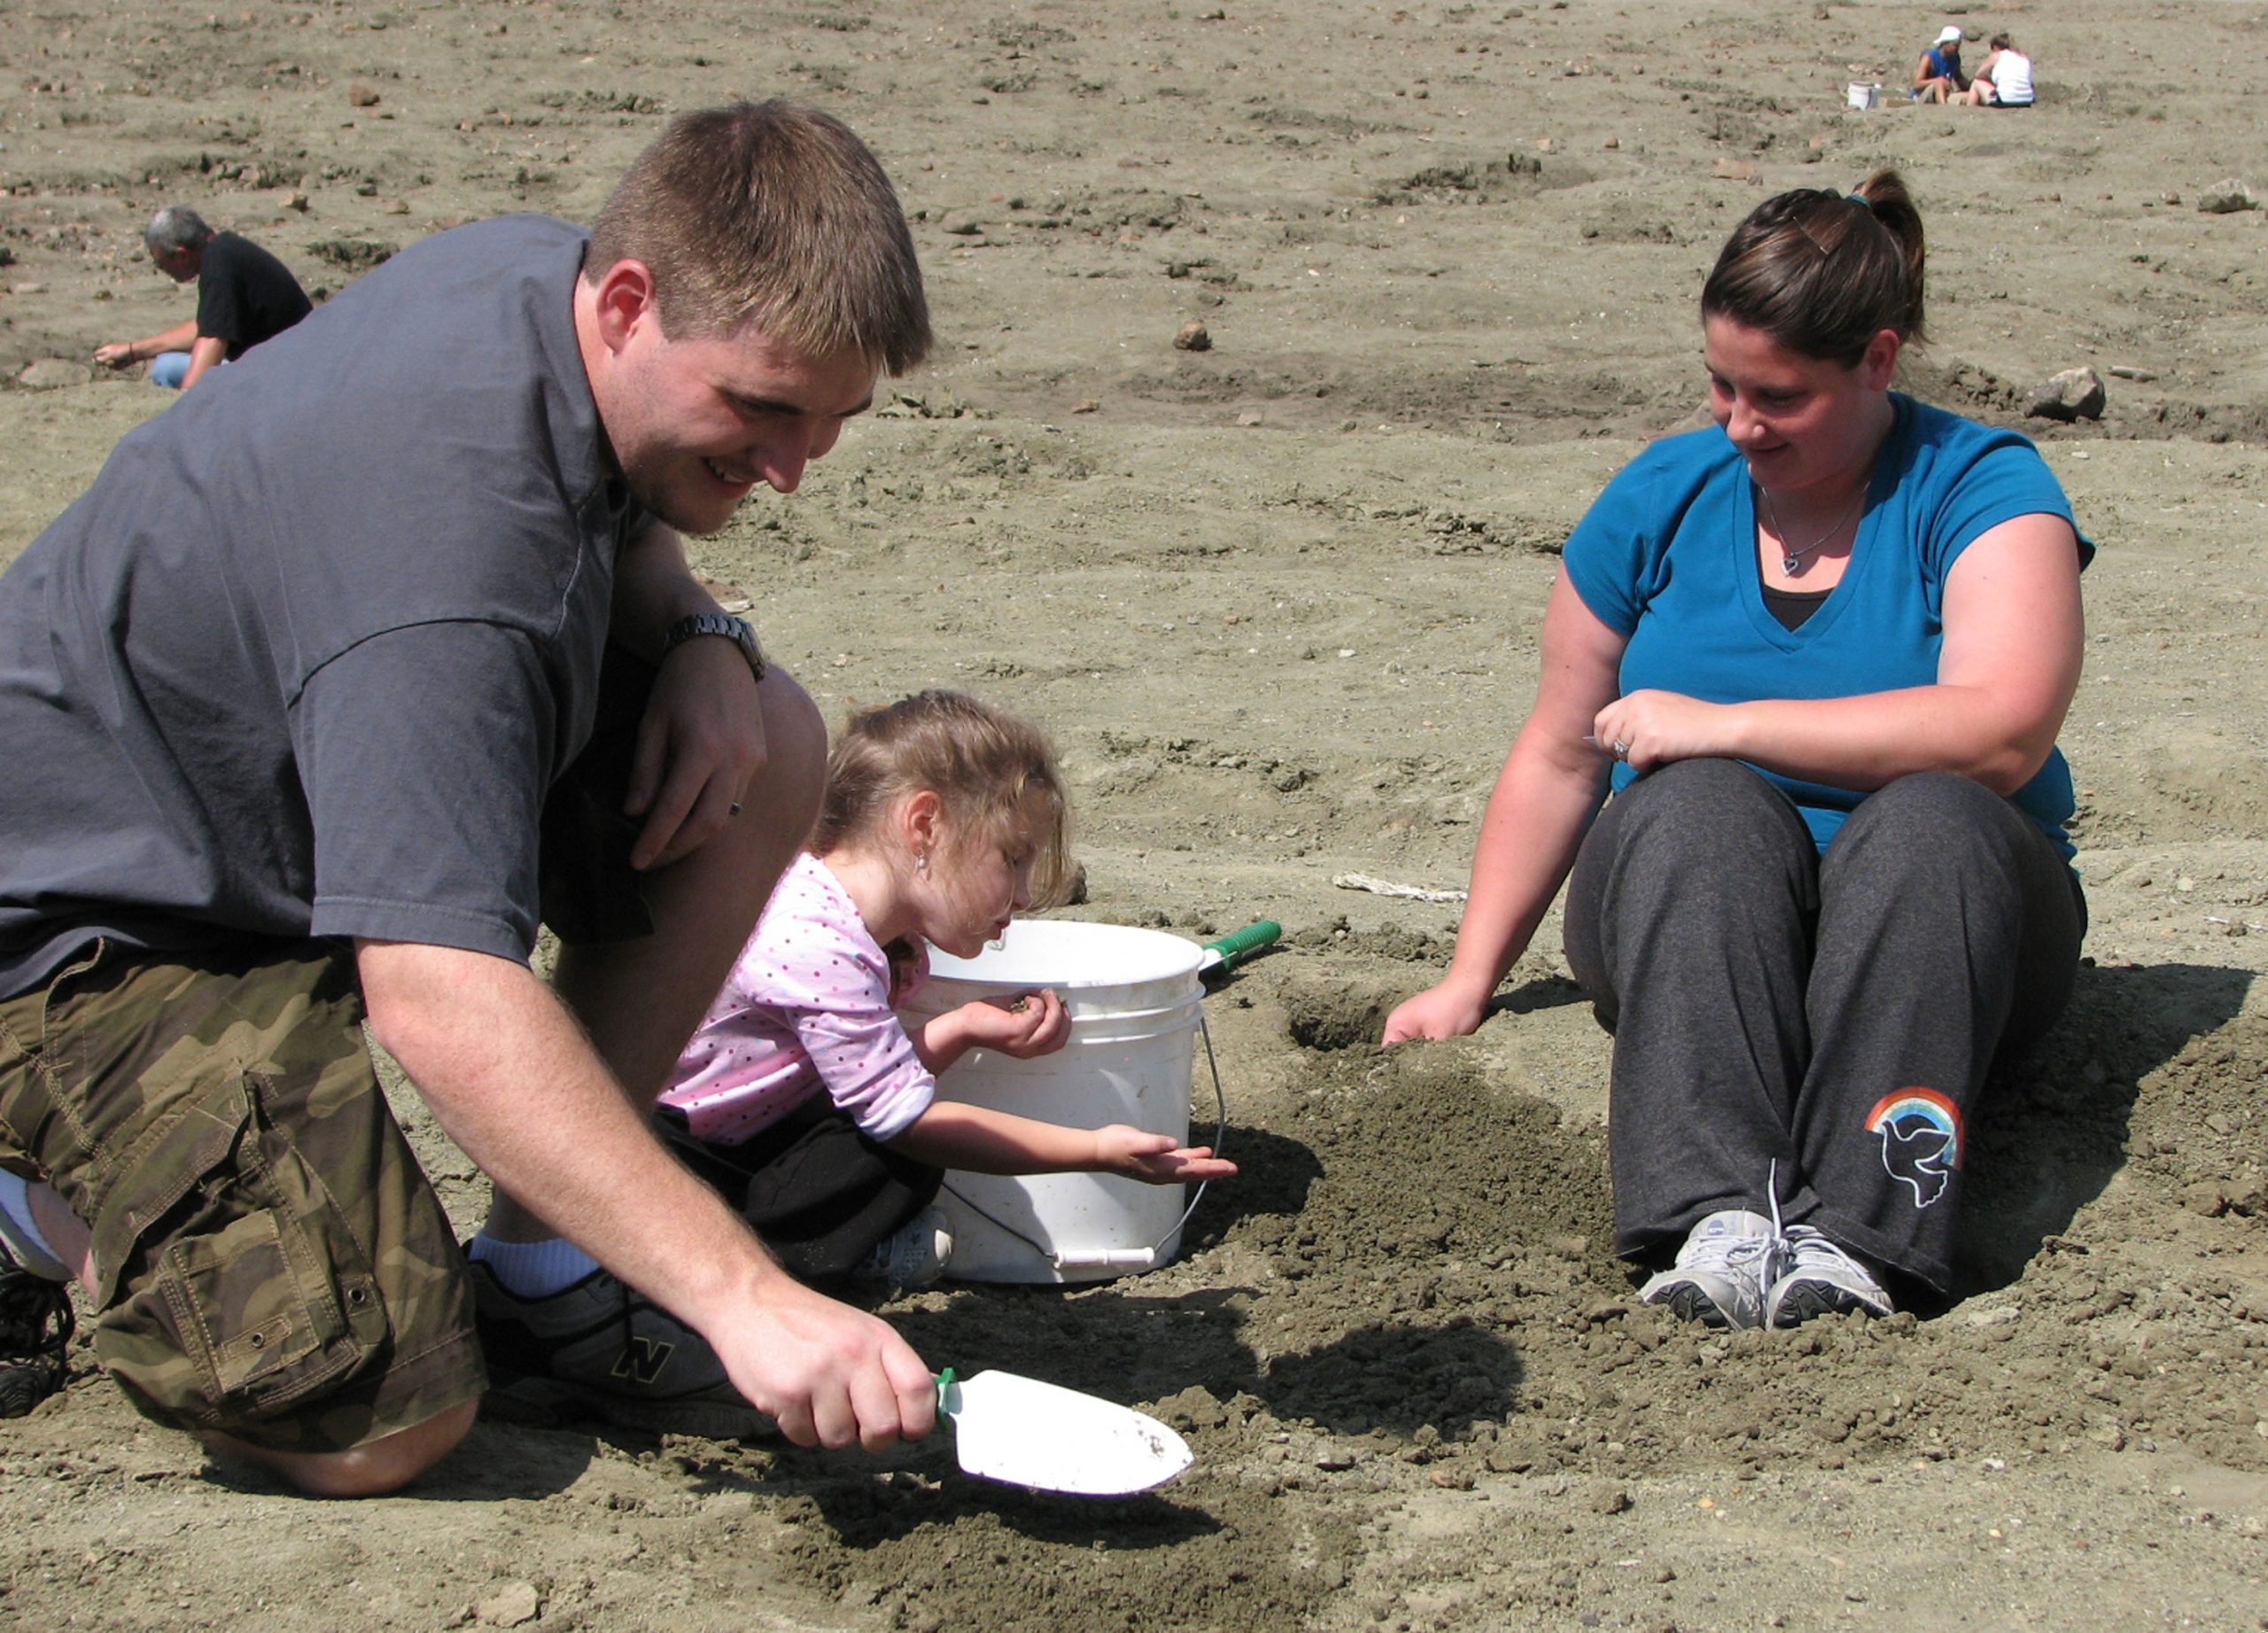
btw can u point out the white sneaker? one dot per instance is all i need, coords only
(1722, 1272)
(1819, 1279)
(914, 1254)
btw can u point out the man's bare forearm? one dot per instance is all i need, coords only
(510, 1078)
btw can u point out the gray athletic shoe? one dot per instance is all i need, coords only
(598, 1348)
(912, 1256)
(1722, 1272)
(1819, 1279)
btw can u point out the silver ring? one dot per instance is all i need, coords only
(734, 809)
(1622, 749)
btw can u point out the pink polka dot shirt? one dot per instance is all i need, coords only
(807, 1006)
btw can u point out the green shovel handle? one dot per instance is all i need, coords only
(1246, 941)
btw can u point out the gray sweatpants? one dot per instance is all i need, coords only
(1838, 1013)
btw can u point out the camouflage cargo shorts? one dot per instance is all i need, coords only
(271, 1261)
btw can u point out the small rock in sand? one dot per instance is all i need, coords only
(2227, 198)
(1194, 337)
(509, 1607)
(2074, 394)
(2205, 1197)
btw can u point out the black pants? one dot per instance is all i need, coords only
(819, 1192)
(1836, 1014)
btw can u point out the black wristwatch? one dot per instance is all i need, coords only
(733, 629)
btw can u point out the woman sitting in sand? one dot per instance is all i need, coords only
(1824, 650)
(2003, 79)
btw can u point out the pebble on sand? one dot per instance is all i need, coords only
(1194, 337)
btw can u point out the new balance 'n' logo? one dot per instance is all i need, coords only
(642, 1358)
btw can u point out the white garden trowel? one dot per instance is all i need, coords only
(1040, 1435)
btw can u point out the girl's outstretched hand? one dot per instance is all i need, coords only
(1154, 1158)
(1035, 1023)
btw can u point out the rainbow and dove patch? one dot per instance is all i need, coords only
(1921, 1136)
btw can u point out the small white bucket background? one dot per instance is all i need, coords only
(1863, 96)
(1135, 1000)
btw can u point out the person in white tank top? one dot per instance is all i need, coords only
(2003, 80)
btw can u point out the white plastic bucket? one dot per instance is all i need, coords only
(1862, 96)
(1134, 999)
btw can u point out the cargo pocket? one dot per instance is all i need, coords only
(234, 1290)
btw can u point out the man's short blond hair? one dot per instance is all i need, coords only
(772, 213)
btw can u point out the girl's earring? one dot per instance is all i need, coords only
(921, 861)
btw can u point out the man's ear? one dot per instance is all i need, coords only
(623, 299)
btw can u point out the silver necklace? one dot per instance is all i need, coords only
(1789, 560)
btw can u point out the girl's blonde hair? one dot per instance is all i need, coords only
(990, 769)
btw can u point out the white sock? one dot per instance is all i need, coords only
(532, 1269)
(32, 1249)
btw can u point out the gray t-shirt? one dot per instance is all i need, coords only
(304, 659)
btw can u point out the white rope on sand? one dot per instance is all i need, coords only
(1388, 887)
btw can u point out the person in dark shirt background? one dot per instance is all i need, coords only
(245, 296)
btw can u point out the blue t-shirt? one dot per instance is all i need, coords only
(1667, 557)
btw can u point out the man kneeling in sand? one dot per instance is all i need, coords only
(317, 703)
(245, 296)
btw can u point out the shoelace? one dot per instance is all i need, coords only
(1735, 1253)
(1801, 1246)
(1808, 1249)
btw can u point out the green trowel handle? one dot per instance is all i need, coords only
(1246, 942)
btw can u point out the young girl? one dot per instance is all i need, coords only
(802, 1097)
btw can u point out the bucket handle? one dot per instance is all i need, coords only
(1125, 1258)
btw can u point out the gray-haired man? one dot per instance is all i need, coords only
(245, 296)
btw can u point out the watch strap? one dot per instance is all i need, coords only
(735, 630)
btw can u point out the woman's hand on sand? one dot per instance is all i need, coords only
(1650, 728)
(1443, 1011)
(1034, 1023)
(1154, 1158)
